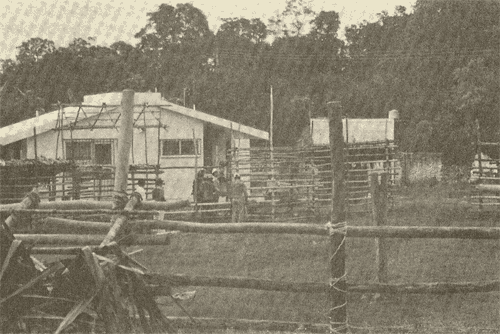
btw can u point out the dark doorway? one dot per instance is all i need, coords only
(103, 154)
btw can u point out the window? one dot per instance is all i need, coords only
(90, 151)
(79, 150)
(174, 147)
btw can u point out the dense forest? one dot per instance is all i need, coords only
(438, 64)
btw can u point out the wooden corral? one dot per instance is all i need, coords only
(484, 174)
(103, 289)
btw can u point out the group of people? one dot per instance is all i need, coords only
(158, 193)
(207, 188)
(210, 188)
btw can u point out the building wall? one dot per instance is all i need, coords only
(144, 150)
(178, 180)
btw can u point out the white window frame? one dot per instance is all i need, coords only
(179, 144)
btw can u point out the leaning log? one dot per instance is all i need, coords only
(31, 201)
(91, 239)
(159, 280)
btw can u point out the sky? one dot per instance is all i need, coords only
(110, 21)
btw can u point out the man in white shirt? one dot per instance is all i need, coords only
(139, 188)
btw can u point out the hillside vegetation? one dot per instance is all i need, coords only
(437, 63)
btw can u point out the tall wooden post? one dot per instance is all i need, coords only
(479, 159)
(195, 190)
(337, 227)
(122, 165)
(271, 147)
(379, 206)
(124, 143)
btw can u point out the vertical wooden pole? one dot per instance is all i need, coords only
(337, 227)
(122, 164)
(379, 206)
(479, 160)
(195, 190)
(124, 143)
(271, 146)
(145, 137)
(159, 147)
(53, 189)
(76, 180)
(34, 136)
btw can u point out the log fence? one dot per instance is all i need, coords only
(160, 284)
(336, 230)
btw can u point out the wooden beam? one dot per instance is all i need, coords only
(337, 292)
(159, 280)
(90, 239)
(30, 201)
(429, 232)
(97, 205)
(405, 232)
(207, 324)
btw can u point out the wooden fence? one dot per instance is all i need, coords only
(161, 283)
(337, 230)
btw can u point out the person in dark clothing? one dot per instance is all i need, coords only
(204, 191)
(239, 199)
(158, 192)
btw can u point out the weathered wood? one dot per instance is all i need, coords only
(235, 282)
(337, 291)
(75, 226)
(59, 250)
(99, 205)
(313, 229)
(120, 222)
(124, 141)
(219, 228)
(488, 187)
(429, 232)
(30, 201)
(379, 211)
(159, 280)
(91, 239)
(208, 324)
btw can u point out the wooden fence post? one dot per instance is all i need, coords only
(76, 179)
(122, 165)
(337, 226)
(379, 206)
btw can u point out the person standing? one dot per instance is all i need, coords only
(239, 199)
(215, 175)
(139, 189)
(158, 192)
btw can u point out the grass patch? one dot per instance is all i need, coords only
(304, 259)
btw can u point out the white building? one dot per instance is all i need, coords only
(164, 134)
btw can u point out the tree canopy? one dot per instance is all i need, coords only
(438, 65)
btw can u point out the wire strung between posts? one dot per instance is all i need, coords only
(340, 227)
